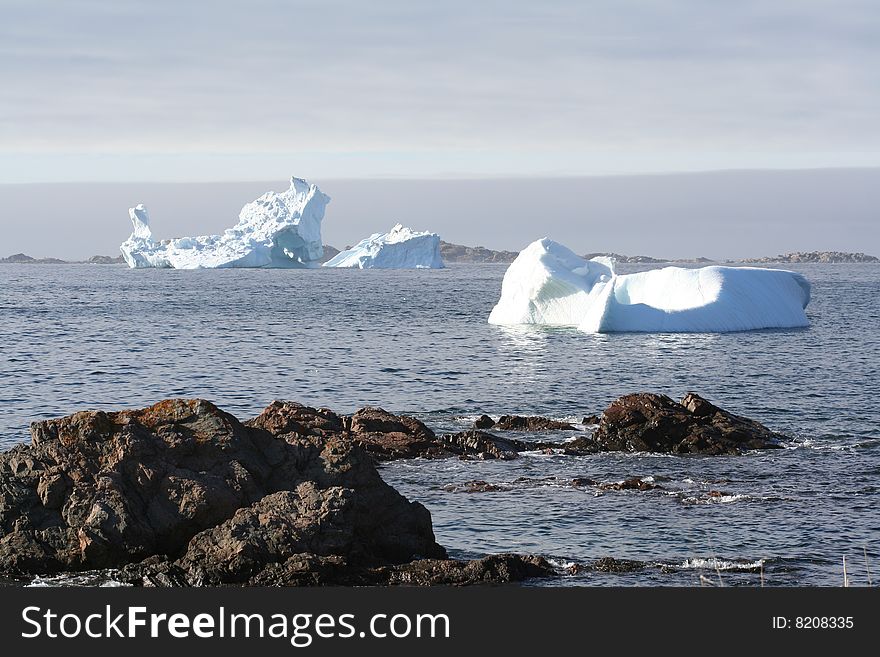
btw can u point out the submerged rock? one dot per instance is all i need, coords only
(525, 483)
(612, 565)
(481, 445)
(530, 423)
(633, 483)
(646, 422)
(476, 486)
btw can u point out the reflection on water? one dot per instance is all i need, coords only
(673, 342)
(523, 340)
(522, 350)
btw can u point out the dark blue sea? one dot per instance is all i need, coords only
(80, 337)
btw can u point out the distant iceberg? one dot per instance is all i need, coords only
(399, 248)
(277, 230)
(549, 284)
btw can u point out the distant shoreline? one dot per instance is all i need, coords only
(459, 254)
(22, 259)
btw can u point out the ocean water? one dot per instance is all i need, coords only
(80, 337)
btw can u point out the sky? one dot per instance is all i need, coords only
(731, 214)
(177, 91)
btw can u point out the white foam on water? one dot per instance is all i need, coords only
(697, 563)
(101, 579)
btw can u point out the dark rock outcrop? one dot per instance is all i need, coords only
(633, 483)
(387, 436)
(279, 526)
(98, 489)
(183, 494)
(525, 483)
(612, 565)
(481, 445)
(484, 422)
(579, 446)
(312, 570)
(641, 422)
(476, 486)
(284, 417)
(647, 422)
(494, 569)
(530, 423)
(484, 446)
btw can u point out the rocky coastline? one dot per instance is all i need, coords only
(183, 494)
(23, 259)
(457, 253)
(817, 257)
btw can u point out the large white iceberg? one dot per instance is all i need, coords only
(399, 248)
(549, 284)
(279, 229)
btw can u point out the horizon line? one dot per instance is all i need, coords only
(465, 177)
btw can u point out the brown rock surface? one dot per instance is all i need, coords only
(387, 436)
(98, 489)
(530, 423)
(646, 422)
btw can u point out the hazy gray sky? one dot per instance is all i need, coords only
(718, 215)
(174, 90)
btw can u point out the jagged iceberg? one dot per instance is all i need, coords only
(549, 284)
(279, 229)
(399, 248)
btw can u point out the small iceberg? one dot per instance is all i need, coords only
(279, 229)
(399, 248)
(549, 284)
